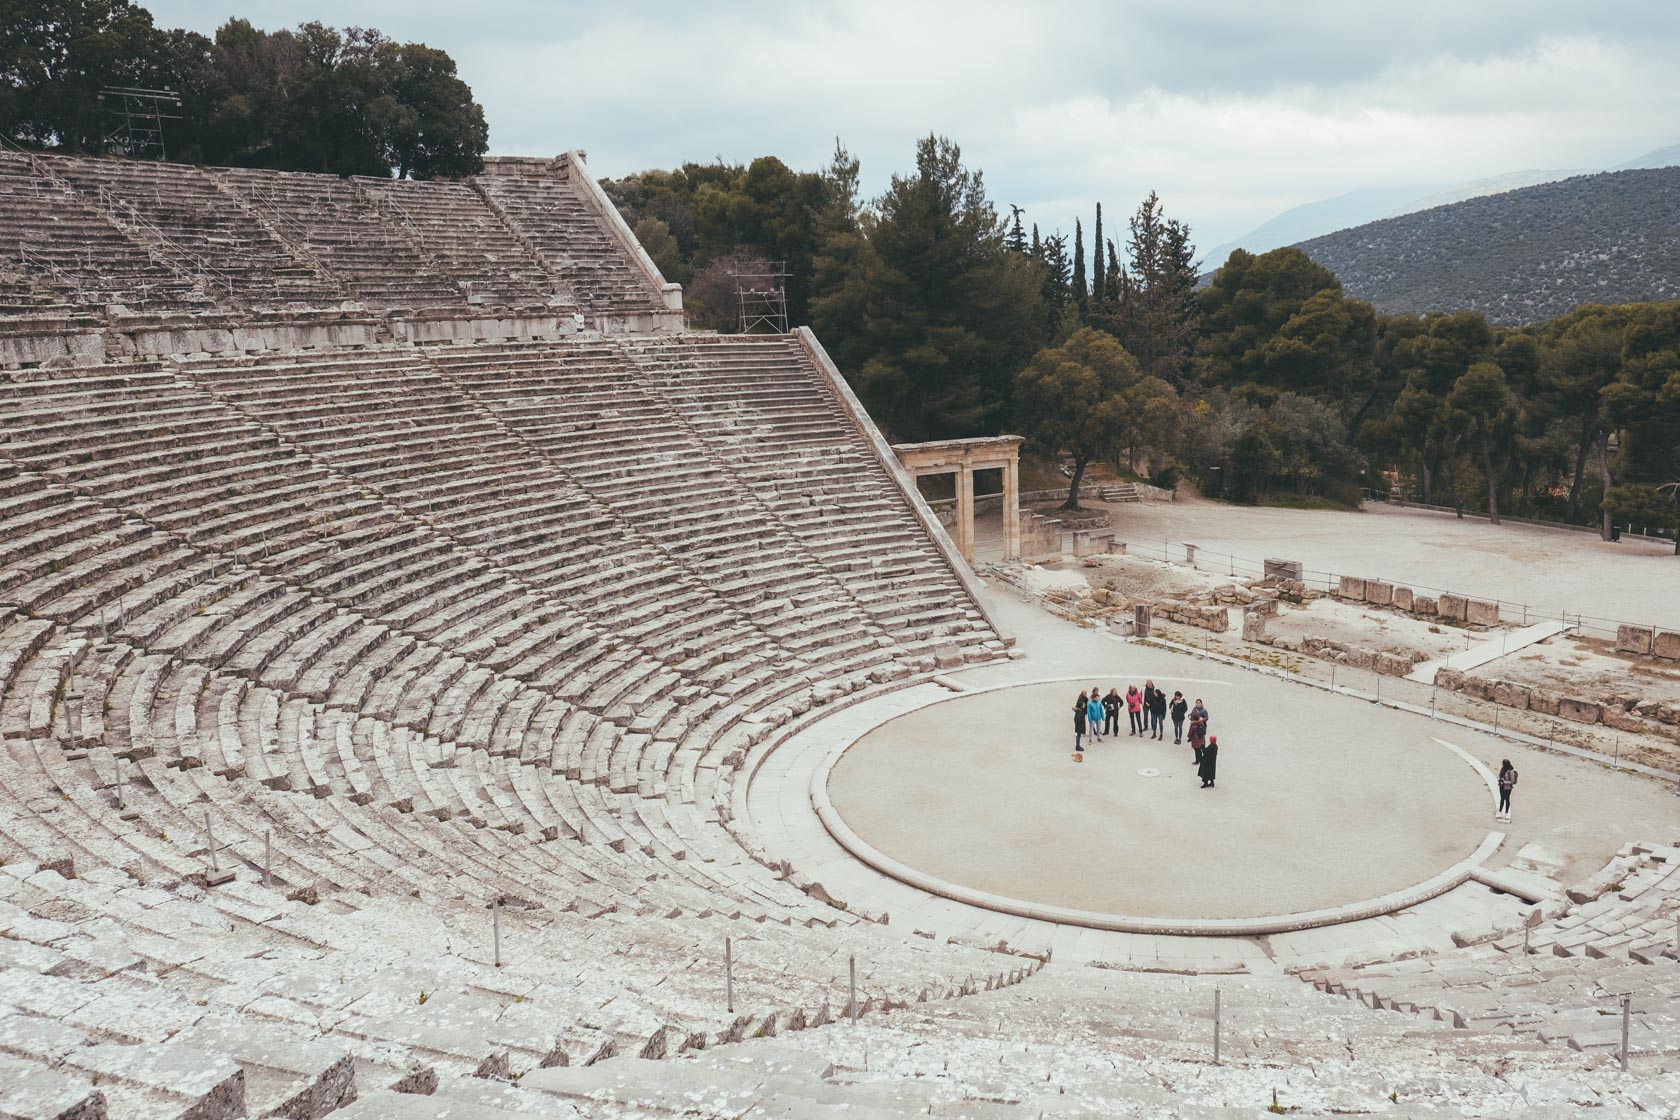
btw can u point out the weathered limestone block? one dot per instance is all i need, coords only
(1426, 604)
(1623, 720)
(1393, 664)
(1360, 657)
(1511, 694)
(1580, 711)
(1452, 606)
(1479, 687)
(1633, 639)
(1666, 644)
(1543, 701)
(1378, 593)
(1450, 679)
(1267, 608)
(1480, 612)
(1283, 569)
(1254, 626)
(1140, 620)
(1352, 589)
(1402, 598)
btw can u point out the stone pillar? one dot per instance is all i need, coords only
(1012, 509)
(965, 512)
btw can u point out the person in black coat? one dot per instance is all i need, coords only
(1158, 714)
(1079, 728)
(1111, 705)
(1180, 706)
(1209, 765)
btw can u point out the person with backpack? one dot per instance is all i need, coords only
(1179, 708)
(1507, 782)
(1079, 711)
(1111, 712)
(1158, 714)
(1134, 708)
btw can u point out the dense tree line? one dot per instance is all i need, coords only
(1270, 383)
(351, 102)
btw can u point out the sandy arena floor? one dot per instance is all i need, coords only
(1310, 810)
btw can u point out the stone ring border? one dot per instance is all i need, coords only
(1438, 884)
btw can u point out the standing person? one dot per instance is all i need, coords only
(1507, 782)
(1111, 712)
(1094, 714)
(1198, 737)
(1134, 708)
(1209, 765)
(1158, 714)
(1079, 728)
(1148, 701)
(1180, 707)
(1200, 712)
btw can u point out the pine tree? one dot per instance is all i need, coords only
(1098, 287)
(1017, 239)
(1080, 295)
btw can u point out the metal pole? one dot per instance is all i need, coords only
(1332, 676)
(1216, 1018)
(1378, 699)
(728, 976)
(1627, 1000)
(496, 927)
(122, 802)
(210, 836)
(851, 1005)
(1431, 701)
(268, 857)
(1618, 735)
(1496, 719)
(1527, 929)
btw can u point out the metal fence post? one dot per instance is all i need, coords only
(1216, 1024)
(1432, 701)
(268, 857)
(1627, 1002)
(496, 928)
(851, 1004)
(210, 838)
(1332, 676)
(1378, 698)
(122, 801)
(729, 975)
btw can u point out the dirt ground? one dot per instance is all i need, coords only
(1549, 569)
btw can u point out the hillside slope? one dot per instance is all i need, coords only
(1521, 256)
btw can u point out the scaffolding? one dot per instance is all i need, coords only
(761, 297)
(139, 114)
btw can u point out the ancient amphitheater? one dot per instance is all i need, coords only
(424, 670)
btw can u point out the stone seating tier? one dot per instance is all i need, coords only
(83, 234)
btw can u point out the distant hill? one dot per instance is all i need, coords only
(1521, 256)
(1354, 208)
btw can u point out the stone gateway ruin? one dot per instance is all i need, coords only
(410, 635)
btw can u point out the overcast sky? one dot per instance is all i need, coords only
(1232, 111)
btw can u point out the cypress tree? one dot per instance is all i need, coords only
(1080, 294)
(1098, 287)
(1037, 245)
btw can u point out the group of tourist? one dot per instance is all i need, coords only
(1147, 710)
